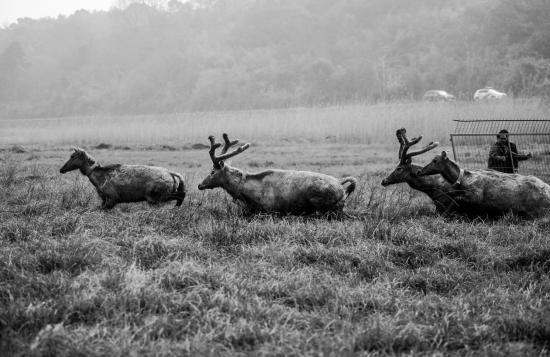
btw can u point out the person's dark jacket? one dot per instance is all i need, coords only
(504, 157)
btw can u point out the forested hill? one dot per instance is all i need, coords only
(240, 54)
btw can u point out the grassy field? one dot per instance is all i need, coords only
(209, 278)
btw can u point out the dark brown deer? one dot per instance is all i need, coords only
(493, 192)
(128, 183)
(440, 191)
(278, 191)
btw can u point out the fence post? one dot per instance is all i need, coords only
(453, 146)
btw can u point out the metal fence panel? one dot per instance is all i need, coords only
(473, 139)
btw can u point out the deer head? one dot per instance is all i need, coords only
(79, 160)
(220, 172)
(405, 170)
(438, 165)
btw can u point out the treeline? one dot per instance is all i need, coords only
(158, 57)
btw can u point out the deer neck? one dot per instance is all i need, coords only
(87, 168)
(234, 182)
(453, 173)
(421, 183)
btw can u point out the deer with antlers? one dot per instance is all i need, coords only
(440, 191)
(278, 191)
(493, 192)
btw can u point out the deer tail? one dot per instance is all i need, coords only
(179, 188)
(351, 187)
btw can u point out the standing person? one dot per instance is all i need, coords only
(504, 155)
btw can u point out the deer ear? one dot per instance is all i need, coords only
(222, 165)
(444, 154)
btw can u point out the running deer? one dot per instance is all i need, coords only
(280, 191)
(128, 183)
(440, 191)
(493, 192)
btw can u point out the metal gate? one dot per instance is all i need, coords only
(473, 139)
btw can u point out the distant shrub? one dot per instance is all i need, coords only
(18, 149)
(199, 146)
(103, 146)
(167, 148)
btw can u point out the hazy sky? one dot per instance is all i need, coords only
(10, 10)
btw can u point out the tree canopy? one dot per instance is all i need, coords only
(171, 56)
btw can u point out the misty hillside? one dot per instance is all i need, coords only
(240, 54)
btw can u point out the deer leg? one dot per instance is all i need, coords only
(103, 199)
(109, 197)
(180, 195)
(337, 212)
(324, 202)
(108, 203)
(156, 194)
(179, 199)
(327, 198)
(152, 201)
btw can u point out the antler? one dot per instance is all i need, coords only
(224, 155)
(227, 144)
(399, 135)
(405, 145)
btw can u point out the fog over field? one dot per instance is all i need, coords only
(172, 56)
(312, 85)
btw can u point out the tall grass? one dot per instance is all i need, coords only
(361, 124)
(209, 279)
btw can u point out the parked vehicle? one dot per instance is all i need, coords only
(488, 93)
(437, 95)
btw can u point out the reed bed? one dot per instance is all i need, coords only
(358, 124)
